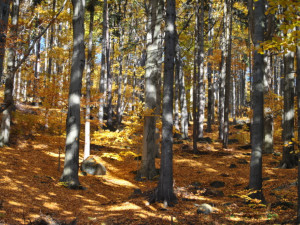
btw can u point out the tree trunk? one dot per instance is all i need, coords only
(71, 165)
(228, 13)
(210, 103)
(298, 106)
(289, 158)
(222, 82)
(148, 170)
(49, 69)
(182, 94)
(103, 73)
(257, 127)
(164, 191)
(4, 14)
(196, 81)
(201, 106)
(89, 69)
(9, 82)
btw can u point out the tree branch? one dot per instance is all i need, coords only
(38, 37)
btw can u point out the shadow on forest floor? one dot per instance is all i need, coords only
(29, 186)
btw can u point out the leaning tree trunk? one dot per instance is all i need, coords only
(9, 82)
(257, 127)
(70, 172)
(164, 191)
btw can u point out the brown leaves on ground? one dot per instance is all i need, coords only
(30, 172)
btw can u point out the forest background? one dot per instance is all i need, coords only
(148, 85)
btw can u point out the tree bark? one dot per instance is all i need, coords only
(4, 14)
(103, 73)
(71, 165)
(89, 70)
(227, 11)
(201, 106)
(164, 191)
(257, 127)
(289, 158)
(148, 170)
(298, 106)
(9, 82)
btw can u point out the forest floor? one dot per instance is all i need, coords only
(30, 172)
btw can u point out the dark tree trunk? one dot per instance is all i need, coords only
(109, 86)
(228, 32)
(164, 191)
(196, 81)
(182, 94)
(298, 105)
(150, 147)
(71, 165)
(4, 13)
(51, 41)
(210, 103)
(87, 130)
(222, 83)
(104, 68)
(289, 158)
(257, 127)
(9, 82)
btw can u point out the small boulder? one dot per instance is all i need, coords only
(205, 209)
(92, 165)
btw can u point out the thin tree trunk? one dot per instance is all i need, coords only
(89, 69)
(210, 103)
(222, 82)
(103, 73)
(195, 81)
(228, 13)
(201, 106)
(298, 106)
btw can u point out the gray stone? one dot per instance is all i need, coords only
(91, 165)
(205, 209)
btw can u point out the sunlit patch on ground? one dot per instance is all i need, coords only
(31, 167)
